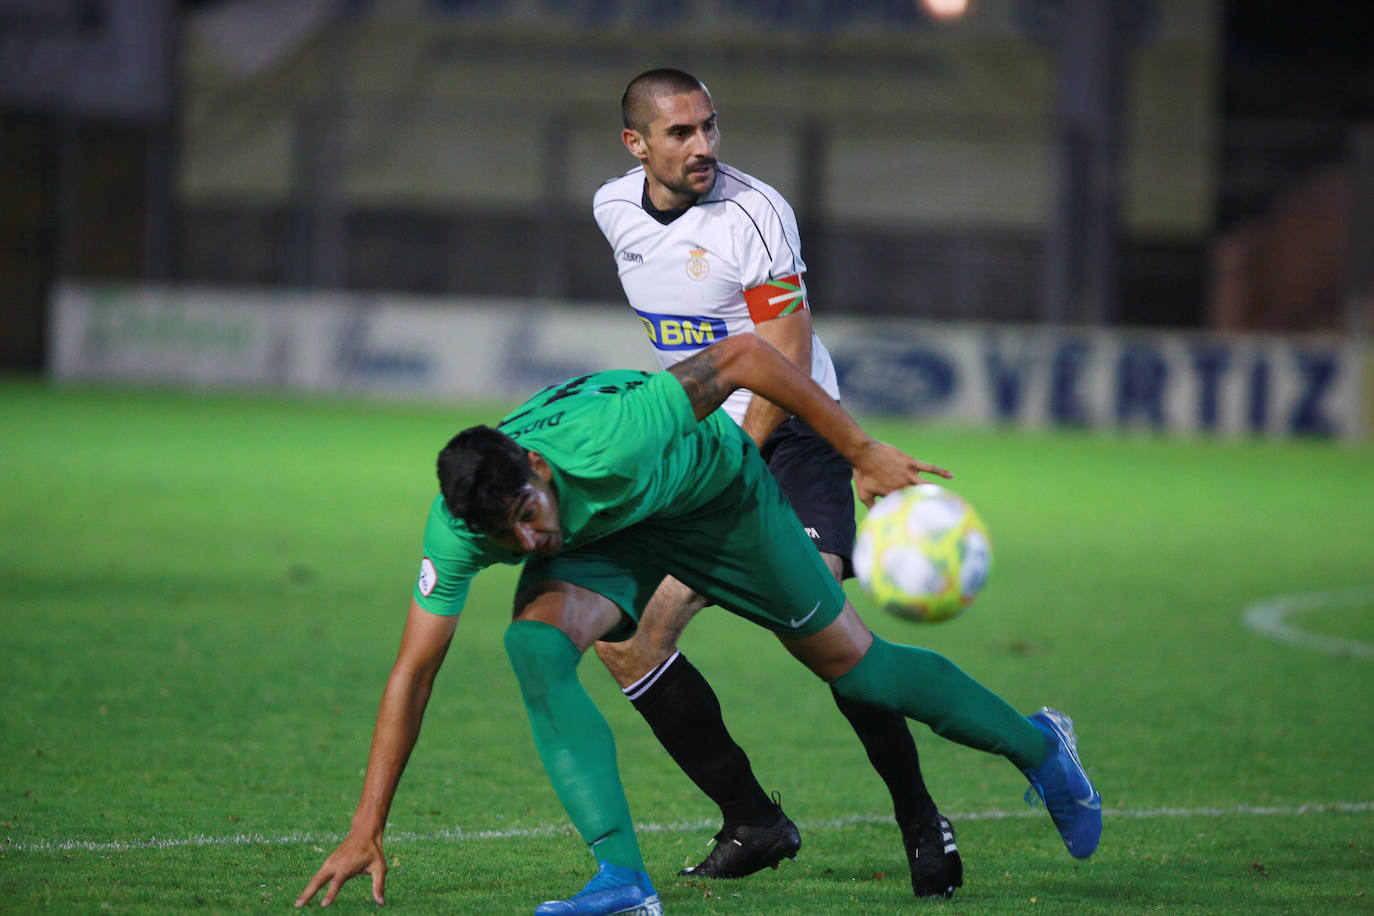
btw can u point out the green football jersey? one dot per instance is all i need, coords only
(624, 446)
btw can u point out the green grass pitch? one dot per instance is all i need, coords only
(200, 597)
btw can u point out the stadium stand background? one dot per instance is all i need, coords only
(451, 146)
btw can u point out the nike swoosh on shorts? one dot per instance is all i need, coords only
(793, 623)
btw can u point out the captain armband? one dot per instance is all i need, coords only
(776, 298)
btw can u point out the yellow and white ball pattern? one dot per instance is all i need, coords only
(922, 553)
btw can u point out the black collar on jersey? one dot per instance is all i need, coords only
(663, 216)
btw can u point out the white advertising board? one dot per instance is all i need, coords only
(483, 349)
(334, 342)
(1167, 381)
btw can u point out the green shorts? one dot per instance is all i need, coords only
(744, 549)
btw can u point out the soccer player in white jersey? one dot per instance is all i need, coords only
(707, 252)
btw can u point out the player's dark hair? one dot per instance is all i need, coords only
(480, 472)
(635, 107)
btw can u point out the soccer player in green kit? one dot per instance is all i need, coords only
(602, 486)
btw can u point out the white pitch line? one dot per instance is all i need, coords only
(1270, 618)
(460, 835)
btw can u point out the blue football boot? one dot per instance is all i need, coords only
(1063, 785)
(614, 889)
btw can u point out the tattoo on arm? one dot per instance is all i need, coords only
(700, 378)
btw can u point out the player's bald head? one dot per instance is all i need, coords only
(637, 104)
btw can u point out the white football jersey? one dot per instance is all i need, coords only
(725, 264)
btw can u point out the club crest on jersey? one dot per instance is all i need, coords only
(697, 266)
(681, 332)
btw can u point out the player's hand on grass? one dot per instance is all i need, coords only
(882, 468)
(355, 856)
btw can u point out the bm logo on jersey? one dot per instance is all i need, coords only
(681, 332)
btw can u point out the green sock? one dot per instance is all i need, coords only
(925, 686)
(573, 740)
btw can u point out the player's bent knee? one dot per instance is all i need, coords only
(915, 682)
(835, 650)
(541, 655)
(869, 681)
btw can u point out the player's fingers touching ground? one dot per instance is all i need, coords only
(312, 888)
(336, 878)
(335, 885)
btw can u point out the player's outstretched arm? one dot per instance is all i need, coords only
(747, 361)
(423, 646)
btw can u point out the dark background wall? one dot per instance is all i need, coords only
(1296, 81)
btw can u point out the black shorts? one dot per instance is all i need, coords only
(817, 481)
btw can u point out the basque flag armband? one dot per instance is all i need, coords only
(775, 298)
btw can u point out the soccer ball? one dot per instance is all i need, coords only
(922, 553)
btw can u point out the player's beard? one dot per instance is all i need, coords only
(683, 185)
